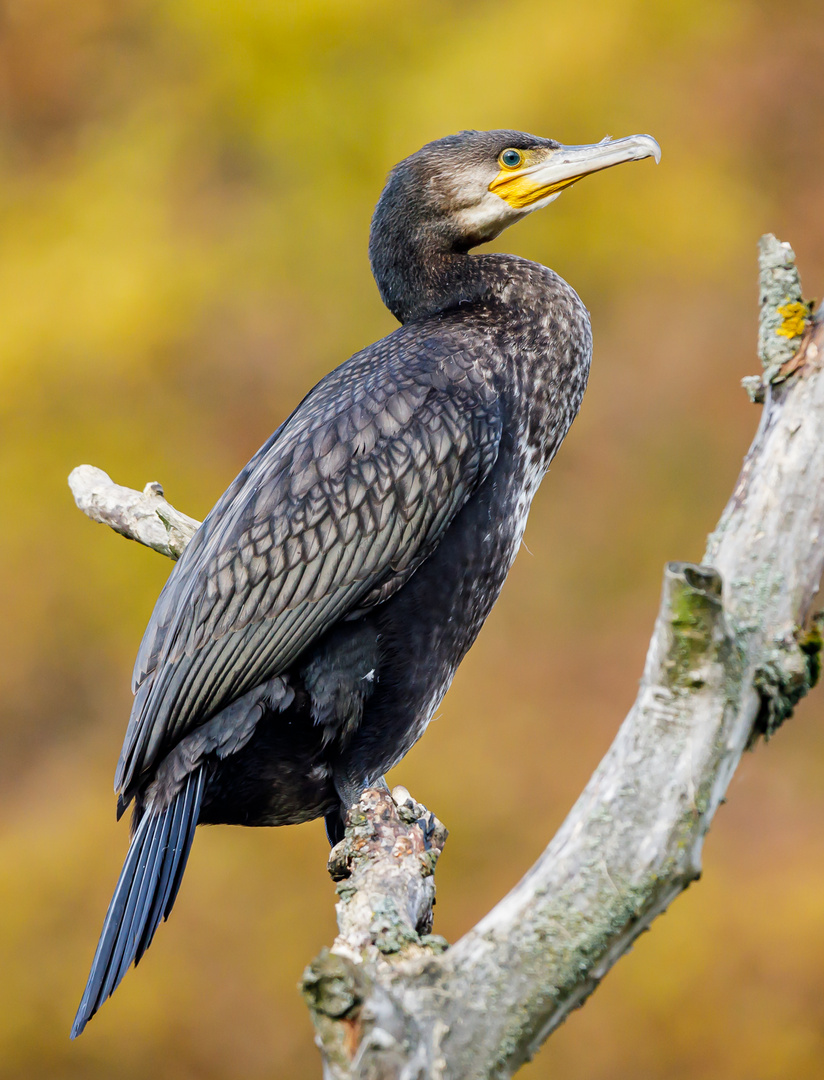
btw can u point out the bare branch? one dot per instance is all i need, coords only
(714, 674)
(144, 515)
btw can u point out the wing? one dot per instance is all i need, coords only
(336, 511)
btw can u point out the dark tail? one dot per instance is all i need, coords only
(145, 893)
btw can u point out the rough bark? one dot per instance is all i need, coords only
(727, 661)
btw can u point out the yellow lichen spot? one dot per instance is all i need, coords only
(795, 318)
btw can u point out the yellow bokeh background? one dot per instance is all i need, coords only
(185, 194)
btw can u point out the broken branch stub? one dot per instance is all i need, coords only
(144, 516)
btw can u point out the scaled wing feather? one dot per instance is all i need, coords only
(342, 504)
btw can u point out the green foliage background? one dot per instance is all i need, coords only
(185, 193)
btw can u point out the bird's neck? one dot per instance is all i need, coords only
(537, 331)
(419, 280)
(421, 263)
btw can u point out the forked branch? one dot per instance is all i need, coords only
(728, 660)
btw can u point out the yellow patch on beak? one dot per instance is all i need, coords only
(521, 187)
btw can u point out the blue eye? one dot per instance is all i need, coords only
(511, 159)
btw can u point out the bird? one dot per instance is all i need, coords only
(308, 633)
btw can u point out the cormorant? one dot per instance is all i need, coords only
(306, 636)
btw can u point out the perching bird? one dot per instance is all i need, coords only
(303, 641)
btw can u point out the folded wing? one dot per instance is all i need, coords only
(335, 512)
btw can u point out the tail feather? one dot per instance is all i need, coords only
(179, 865)
(159, 906)
(140, 919)
(130, 925)
(145, 893)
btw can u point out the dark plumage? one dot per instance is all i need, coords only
(312, 626)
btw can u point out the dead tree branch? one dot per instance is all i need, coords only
(144, 515)
(728, 660)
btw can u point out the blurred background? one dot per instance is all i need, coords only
(185, 195)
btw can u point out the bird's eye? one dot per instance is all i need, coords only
(511, 159)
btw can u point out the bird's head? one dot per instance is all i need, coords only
(463, 190)
(474, 184)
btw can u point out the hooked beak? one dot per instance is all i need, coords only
(540, 180)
